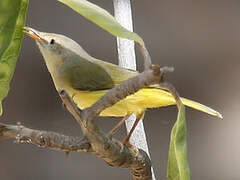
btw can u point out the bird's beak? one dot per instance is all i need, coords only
(33, 34)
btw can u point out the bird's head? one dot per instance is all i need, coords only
(55, 48)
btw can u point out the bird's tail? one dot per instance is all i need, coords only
(201, 107)
(158, 97)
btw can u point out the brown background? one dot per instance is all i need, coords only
(201, 39)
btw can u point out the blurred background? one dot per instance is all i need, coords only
(201, 39)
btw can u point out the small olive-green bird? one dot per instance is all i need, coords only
(87, 79)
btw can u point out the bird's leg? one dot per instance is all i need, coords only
(138, 118)
(118, 125)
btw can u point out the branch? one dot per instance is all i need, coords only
(47, 139)
(134, 159)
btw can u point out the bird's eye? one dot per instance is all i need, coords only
(52, 41)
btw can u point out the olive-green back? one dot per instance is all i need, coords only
(83, 74)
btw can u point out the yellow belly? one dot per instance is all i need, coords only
(124, 107)
(136, 103)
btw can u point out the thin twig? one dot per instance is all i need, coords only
(169, 87)
(147, 61)
(71, 107)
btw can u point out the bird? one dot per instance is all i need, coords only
(87, 79)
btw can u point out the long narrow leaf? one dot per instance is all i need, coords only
(12, 19)
(102, 18)
(178, 168)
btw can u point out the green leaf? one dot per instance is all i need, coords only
(12, 20)
(102, 18)
(178, 168)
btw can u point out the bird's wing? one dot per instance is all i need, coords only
(83, 74)
(120, 74)
(117, 73)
